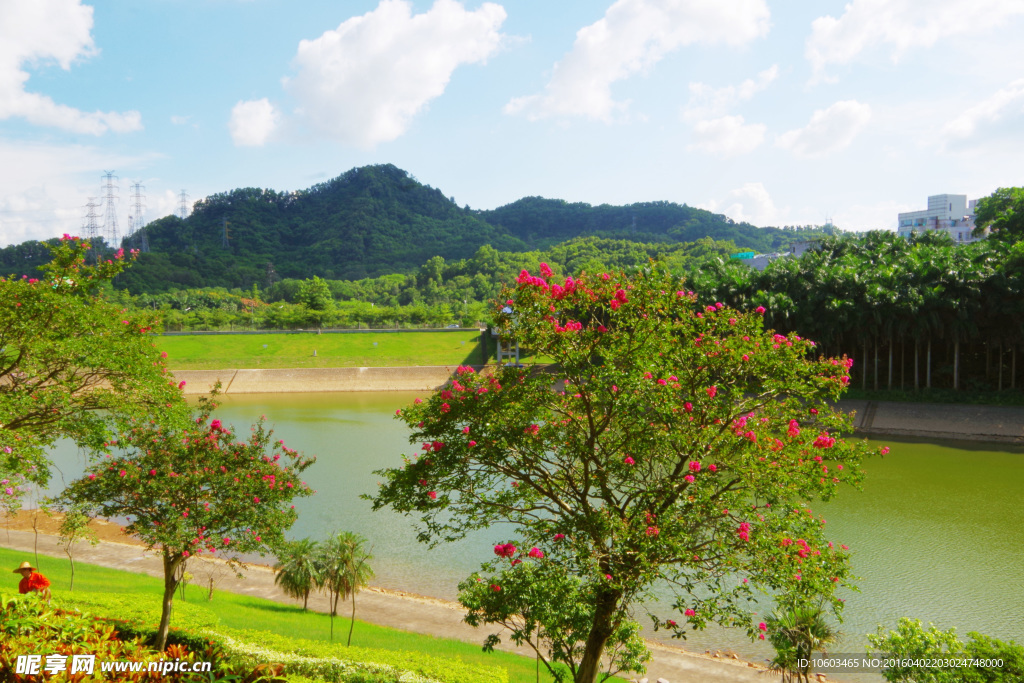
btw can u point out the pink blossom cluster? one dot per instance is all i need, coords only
(506, 550)
(744, 531)
(824, 441)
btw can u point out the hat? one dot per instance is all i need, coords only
(24, 565)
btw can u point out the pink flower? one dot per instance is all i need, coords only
(688, 407)
(690, 612)
(607, 577)
(629, 460)
(181, 384)
(227, 541)
(760, 309)
(713, 468)
(91, 477)
(885, 450)
(694, 466)
(536, 552)
(559, 537)
(152, 473)
(465, 430)
(432, 494)
(419, 400)
(445, 407)
(545, 270)
(122, 473)
(763, 626)
(671, 623)
(690, 478)
(504, 550)
(653, 531)
(794, 428)
(163, 354)
(496, 588)
(712, 390)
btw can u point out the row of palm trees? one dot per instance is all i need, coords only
(338, 566)
(923, 311)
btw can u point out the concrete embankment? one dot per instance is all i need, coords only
(871, 418)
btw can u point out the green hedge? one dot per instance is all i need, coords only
(136, 609)
(335, 662)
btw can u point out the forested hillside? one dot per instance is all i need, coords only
(379, 220)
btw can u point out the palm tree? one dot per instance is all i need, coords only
(296, 569)
(344, 570)
(797, 633)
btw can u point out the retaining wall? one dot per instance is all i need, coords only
(876, 418)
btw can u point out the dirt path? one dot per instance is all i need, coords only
(394, 609)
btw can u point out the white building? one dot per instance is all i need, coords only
(951, 213)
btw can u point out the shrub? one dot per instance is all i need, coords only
(326, 661)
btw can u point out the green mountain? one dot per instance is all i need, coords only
(377, 220)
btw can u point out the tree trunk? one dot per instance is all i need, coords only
(917, 366)
(305, 600)
(172, 563)
(600, 631)
(890, 363)
(876, 365)
(956, 365)
(1000, 366)
(352, 624)
(864, 372)
(928, 373)
(72, 561)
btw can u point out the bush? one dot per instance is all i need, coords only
(910, 641)
(330, 662)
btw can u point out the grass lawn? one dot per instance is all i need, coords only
(246, 612)
(333, 350)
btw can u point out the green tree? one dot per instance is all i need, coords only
(681, 446)
(315, 294)
(343, 569)
(192, 488)
(296, 571)
(1002, 212)
(69, 363)
(74, 527)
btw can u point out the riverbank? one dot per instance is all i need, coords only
(394, 609)
(1004, 424)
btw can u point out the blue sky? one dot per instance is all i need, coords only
(779, 113)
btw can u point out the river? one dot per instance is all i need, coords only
(937, 531)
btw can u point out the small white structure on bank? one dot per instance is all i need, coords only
(950, 213)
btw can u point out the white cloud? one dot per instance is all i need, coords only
(45, 188)
(829, 130)
(879, 216)
(900, 24)
(750, 203)
(252, 122)
(632, 36)
(1004, 104)
(364, 82)
(727, 136)
(40, 31)
(707, 102)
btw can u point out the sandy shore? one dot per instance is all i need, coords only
(395, 609)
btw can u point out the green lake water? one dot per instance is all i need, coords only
(937, 531)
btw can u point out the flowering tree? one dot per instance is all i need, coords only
(666, 443)
(69, 363)
(195, 490)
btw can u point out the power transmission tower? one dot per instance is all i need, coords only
(183, 206)
(92, 225)
(138, 224)
(110, 214)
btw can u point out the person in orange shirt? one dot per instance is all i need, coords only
(32, 581)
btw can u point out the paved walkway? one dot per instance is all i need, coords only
(386, 608)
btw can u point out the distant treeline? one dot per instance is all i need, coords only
(379, 220)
